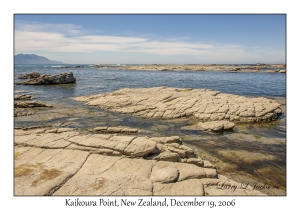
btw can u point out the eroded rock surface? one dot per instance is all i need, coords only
(66, 162)
(212, 126)
(23, 106)
(202, 104)
(30, 104)
(22, 97)
(51, 79)
(30, 75)
(117, 129)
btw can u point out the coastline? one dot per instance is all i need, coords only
(233, 68)
(210, 186)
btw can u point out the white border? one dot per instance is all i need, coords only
(8, 8)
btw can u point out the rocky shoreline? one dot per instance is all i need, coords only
(63, 161)
(115, 160)
(214, 110)
(270, 68)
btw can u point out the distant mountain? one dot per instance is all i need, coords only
(33, 59)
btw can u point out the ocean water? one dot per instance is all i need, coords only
(93, 81)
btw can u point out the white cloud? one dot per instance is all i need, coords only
(48, 27)
(68, 38)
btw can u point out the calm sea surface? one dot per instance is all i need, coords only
(92, 81)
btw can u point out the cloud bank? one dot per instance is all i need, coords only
(32, 37)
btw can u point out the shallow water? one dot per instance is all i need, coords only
(238, 157)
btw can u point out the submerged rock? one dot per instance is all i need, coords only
(215, 126)
(48, 79)
(202, 104)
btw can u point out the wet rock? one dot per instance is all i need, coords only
(61, 130)
(21, 112)
(118, 129)
(26, 108)
(215, 126)
(167, 140)
(114, 130)
(22, 97)
(48, 79)
(202, 104)
(51, 131)
(30, 104)
(30, 75)
(103, 128)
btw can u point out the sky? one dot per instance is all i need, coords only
(149, 39)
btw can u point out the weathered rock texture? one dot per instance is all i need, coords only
(30, 75)
(202, 104)
(26, 107)
(22, 97)
(117, 129)
(213, 126)
(48, 79)
(66, 162)
(30, 104)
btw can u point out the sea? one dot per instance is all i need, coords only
(223, 150)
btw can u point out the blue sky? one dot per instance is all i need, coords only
(136, 39)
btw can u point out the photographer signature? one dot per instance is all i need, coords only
(223, 185)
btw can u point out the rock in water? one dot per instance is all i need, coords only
(30, 104)
(22, 97)
(202, 104)
(30, 75)
(215, 126)
(48, 79)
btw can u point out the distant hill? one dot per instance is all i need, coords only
(33, 59)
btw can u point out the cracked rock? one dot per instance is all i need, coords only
(203, 104)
